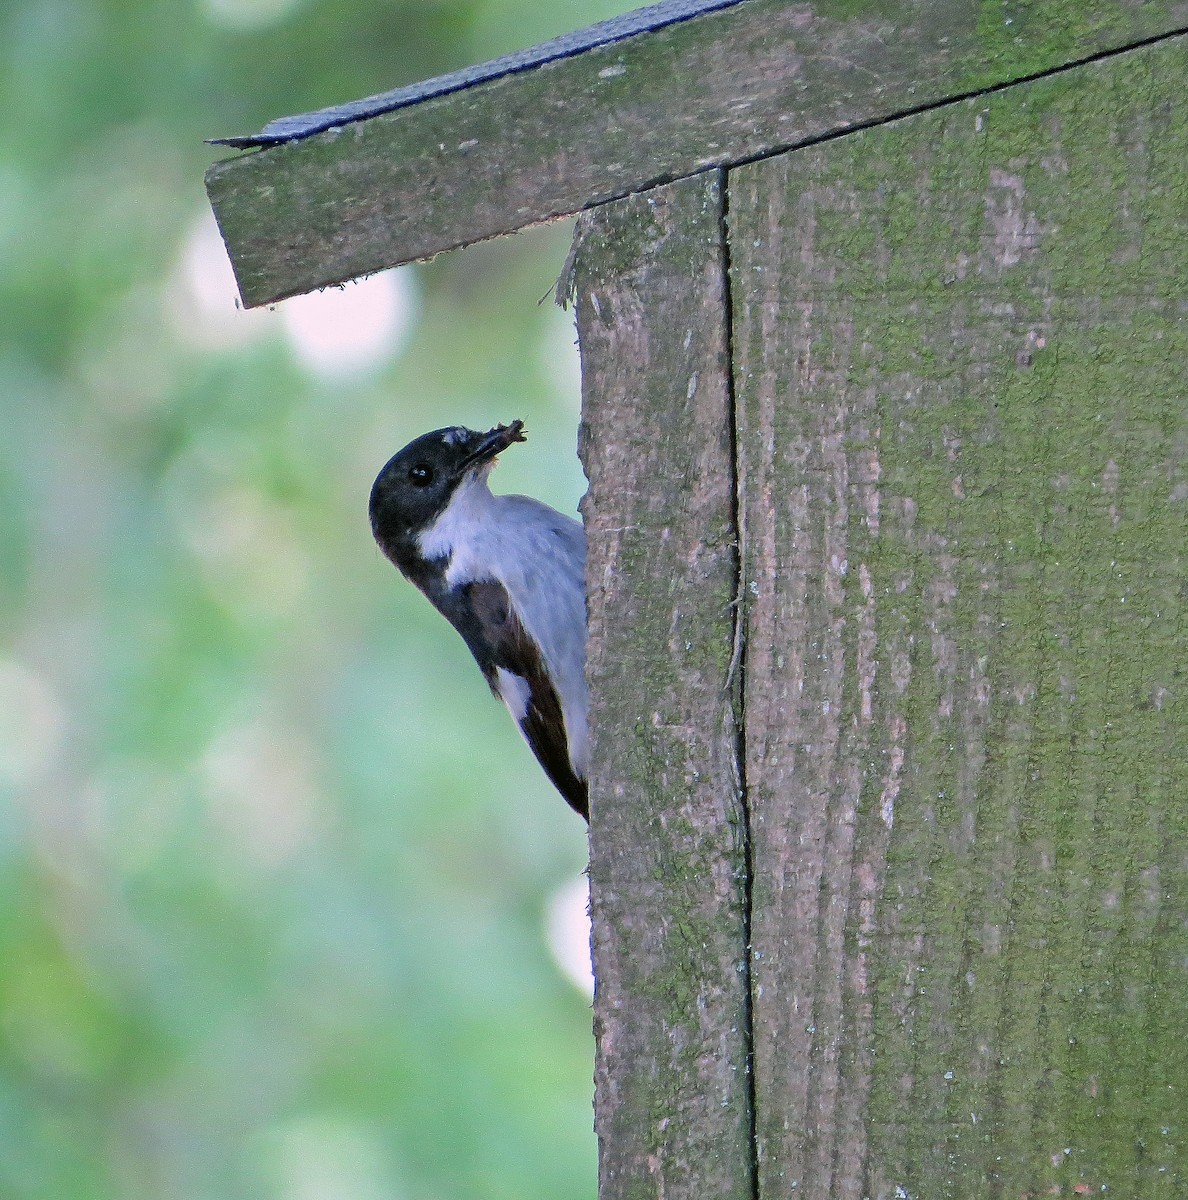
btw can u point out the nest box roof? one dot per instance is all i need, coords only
(664, 92)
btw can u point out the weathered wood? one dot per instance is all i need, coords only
(667, 863)
(603, 33)
(960, 346)
(717, 89)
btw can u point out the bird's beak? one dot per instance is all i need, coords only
(491, 443)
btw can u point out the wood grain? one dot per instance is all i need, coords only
(959, 358)
(667, 861)
(719, 89)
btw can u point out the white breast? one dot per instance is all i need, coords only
(539, 557)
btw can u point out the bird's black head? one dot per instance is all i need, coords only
(415, 485)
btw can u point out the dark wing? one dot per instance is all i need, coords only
(512, 663)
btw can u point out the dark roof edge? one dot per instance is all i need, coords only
(617, 29)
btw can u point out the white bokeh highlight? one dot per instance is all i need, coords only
(337, 334)
(567, 929)
(203, 297)
(32, 724)
(355, 329)
(248, 14)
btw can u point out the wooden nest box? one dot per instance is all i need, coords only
(883, 312)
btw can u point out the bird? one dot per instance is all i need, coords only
(508, 572)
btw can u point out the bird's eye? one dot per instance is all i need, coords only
(421, 475)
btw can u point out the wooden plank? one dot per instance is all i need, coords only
(667, 863)
(718, 89)
(964, 439)
(603, 33)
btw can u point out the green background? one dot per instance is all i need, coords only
(274, 867)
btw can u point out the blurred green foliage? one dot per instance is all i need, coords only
(274, 867)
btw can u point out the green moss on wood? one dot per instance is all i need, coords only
(668, 884)
(990, 298)
(722, 88)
